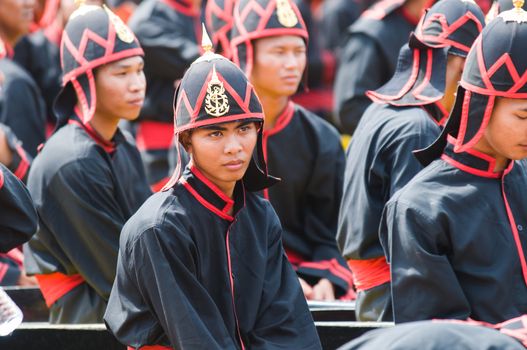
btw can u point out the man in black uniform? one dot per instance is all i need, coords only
(169, 32)
(201, 264)
(22, 105)
(300, 148)
(407, 115)
(369, 56)
(454, 234)
(445, 334)
(88, 179)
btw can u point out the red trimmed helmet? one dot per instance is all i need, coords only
(448, 27)
(256, 19)
(495, 67)
(93, 36)
(218, 17)
(214, 91)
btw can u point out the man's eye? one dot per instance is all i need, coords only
(215, 134)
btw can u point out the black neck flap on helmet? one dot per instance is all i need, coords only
(256, 19)
(93, 36)
(218, 18)
(495, 67)
(448, 27)
(214, 91)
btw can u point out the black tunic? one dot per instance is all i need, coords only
(367, 61)
(305, 152)
(450, 241)
(41, 58)
(21, 106)
(379, 161)
(169, 38)
(430, 335)
(191, 276)
(18, 217)
(84, 191)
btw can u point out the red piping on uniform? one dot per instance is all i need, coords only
(369, 273)
(281, 122)
(230, 118)
(152, 347)
(443, 110)
(152, 135)
(209, 184)
(3, 270)
(204, 202)
(426, 79)
(55, 285)
(293, 257)
(515, 234)
(109, 147)
(469, 169)
(461, 145)
(231, 279)
(332, 266)
(1, 179)
(187, 11)
(16, 255)
(23, 166)
(380, 98)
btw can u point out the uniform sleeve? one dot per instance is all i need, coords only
(81, 209)
(24, 112)
(424, 284)
(9, 271)
(21, 160)
(284, 320)
(157, 285)
(361, 68)
(403, 165)
(324, 193)
(18, 217)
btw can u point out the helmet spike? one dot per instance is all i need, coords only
(206, 43)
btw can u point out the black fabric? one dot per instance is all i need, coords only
(374, 304)
(170, 42)
(41, 58)
(372, 48)
(83, 195)
(18, 217)
(80, 305)
(308, 158)
(430, 335)
(379, 162)
(448, 239)
(21, 106)
(12, 274)
(19, 155)
(337, 16)
(172, 286)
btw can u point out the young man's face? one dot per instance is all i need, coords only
(223, 152)
(279, 64)
(120, 88)
(506, 134)
(16, 17)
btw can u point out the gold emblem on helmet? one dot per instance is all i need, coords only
(286, 16)
(517, 14)
(123, 32)
(216, 101)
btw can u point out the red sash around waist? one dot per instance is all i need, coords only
(55, 285)
(369, 273)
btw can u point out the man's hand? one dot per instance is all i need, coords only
(306, 288)
(323, 291)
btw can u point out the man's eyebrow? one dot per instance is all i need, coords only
(213, 127)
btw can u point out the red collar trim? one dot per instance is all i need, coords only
(108, 146)
(472, 161)
(282, 121)
(6, 50)
(1, 179)
(207, 193)
(179, 6)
